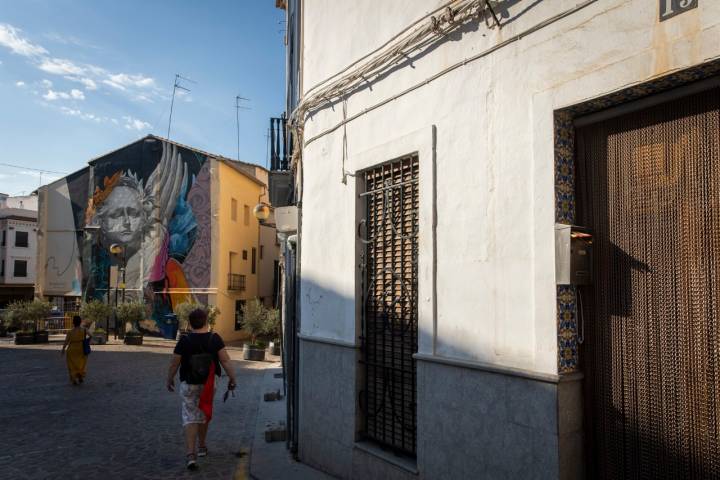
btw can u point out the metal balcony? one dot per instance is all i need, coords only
(236, 282)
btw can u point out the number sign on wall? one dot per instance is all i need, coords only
(670, 8)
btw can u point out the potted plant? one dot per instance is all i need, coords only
(94, 312)
(213, 313)
(3, 324)
(131, 314)
(273, 330)
(18, 318)
(184, 309)
(99, 336)
(37, 312)
(255, 317)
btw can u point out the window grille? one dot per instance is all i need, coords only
(390, 327)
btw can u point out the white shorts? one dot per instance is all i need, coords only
(191, 412)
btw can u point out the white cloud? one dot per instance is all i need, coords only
(11, 38)
(114, 85)
(20, 83)
(75, 94)
(52, 95)
(60, 66)
(89, 83)
(74, 112)
(138, 81)
(135, 124)
(47, 83)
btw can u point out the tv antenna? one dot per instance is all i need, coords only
(238, 107)
(176, 87)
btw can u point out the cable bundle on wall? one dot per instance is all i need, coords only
(433, 26)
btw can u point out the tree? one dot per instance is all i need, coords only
(131, 313)
(184, 310)
(24, 314)
(254, 318)
(260, 321)
(95, 311)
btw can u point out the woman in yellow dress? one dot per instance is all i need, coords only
(76, 358)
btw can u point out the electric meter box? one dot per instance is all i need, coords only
(573, 255)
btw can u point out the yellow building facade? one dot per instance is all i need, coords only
(241, 247)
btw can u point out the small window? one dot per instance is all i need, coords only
(254, 255)
(2, 268)
(244, 254)
(21, 239)
(261, 252)
(233, 210)
(246, 215)
(3, 238)
(20, 268)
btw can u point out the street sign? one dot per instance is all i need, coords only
(671, 8)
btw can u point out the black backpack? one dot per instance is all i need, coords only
(200, 365)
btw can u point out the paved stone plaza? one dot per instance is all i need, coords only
(121, 424)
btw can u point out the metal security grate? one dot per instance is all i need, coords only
(390, 326)
(649, 187)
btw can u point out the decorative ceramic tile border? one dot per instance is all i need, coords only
(568, 355)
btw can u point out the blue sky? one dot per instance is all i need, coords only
(79, 78)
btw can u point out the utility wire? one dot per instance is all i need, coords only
(33, 169)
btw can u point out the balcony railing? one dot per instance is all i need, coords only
(236, 282)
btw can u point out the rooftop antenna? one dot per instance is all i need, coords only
(176, 86)
(238, 107)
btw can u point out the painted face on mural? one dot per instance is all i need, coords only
(122, 216)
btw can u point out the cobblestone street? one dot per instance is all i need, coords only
(121, 424)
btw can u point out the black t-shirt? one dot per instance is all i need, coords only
(194, 343)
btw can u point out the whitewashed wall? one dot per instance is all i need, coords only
(494, 153)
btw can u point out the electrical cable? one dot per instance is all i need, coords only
(33, 169)
(451, 68)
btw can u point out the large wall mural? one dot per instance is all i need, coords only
(144, 200)
(150, 198)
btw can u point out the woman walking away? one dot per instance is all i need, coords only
(76, 358)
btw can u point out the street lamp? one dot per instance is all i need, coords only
(261, 211)
(91, 232)
(119, 252)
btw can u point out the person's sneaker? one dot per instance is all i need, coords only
(190, 462)
(202, 452)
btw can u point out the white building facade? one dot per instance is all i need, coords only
(436, 336)
(18, 252)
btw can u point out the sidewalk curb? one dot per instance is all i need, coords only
(272, 461)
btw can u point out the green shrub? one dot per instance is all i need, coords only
(184, 310)
(260, 321)
(25, 315)
(132, 313)
(95, 311)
